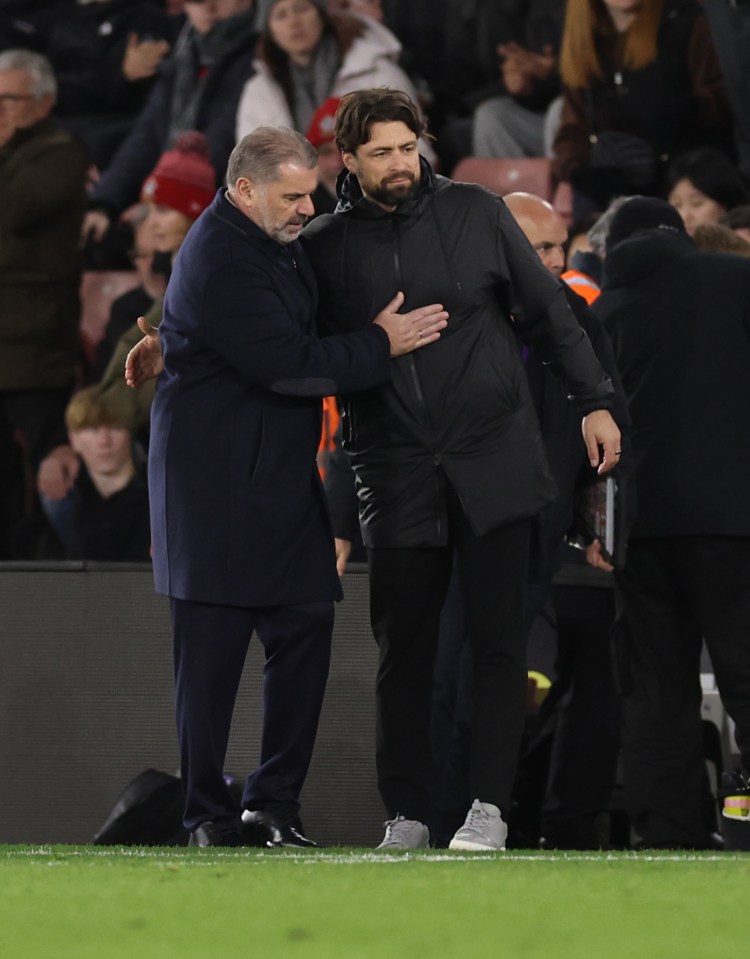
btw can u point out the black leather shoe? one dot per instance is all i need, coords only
(216, 834)
(262, 828)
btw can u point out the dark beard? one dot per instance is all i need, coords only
(392, 196)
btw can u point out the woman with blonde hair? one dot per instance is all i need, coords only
(641, 81)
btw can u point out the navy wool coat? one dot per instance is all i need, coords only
(238, 511)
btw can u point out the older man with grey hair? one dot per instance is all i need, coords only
(42, 201)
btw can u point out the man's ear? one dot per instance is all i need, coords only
(350, 162)
(246, 190)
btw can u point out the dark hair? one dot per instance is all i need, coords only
(277, 60)
(359, 110)
(711, 172)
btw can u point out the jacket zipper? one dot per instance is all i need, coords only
(418, 386)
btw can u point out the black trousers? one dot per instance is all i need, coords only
(586, 739)
(407, 591)
(210, 646)
(674, 593)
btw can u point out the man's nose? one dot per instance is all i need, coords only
(306, 207)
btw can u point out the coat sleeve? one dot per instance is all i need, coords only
(539, 307)
(255, 334)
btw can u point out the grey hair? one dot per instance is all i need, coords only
(259, 155)
(597, 235)
(38, 67)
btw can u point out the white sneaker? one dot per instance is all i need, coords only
(403, 833)
(483, 831)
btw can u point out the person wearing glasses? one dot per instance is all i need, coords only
(42, 202)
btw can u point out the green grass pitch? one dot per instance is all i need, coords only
(81, 902)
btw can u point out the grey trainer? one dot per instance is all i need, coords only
(403, 833)
(483, 831)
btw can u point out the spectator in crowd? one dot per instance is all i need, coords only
(140, 299)
(433, 481)
(703, 184)
(522, 119)
(730, 29)
(105, 55)
(641, 82)
(241, 360)
(306, 55)
(42, 201)
(679, 321)
(109, 499)
(321, 134)
(197, 89)
(176, 192)
(738, 219)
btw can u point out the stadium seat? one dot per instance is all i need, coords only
(99, 289)
(562, 201)
(504, 175)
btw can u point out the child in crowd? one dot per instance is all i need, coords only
(109, 519)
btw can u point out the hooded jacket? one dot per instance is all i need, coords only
(679, 322)
(459, 408)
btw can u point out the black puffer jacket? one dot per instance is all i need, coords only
(458, 408)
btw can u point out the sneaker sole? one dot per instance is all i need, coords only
(463, 845)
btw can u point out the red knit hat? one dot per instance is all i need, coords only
(323, 122)
(183, 179)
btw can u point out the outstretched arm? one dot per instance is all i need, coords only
(144, 361)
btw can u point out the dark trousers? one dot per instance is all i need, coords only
(407, 590)
(674, 593)
(210, 646)
(586, 740)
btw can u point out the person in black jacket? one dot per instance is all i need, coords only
(679, 321)
(198, 88)
(447, 456)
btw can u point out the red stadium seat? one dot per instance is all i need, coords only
(99, 289)
(504, 175)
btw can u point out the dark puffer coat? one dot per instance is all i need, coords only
(459, 408)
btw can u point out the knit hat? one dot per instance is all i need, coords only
(643, 213)
(183, 179)
(263, 8)
(323, 122)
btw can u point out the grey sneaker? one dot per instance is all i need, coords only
(403, 833)
(483, 831)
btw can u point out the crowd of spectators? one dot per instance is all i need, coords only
(117, 118)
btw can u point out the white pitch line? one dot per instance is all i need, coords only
(45, 856)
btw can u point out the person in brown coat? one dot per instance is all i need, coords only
(42, 201)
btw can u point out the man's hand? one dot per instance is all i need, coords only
(142, 57)
(144, 361)
(57, 473)
(521, 68)
(95, 225)
(343, 552)
(409, 331)
(599, 429)
(595, 557)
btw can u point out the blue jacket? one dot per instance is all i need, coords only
(238, 511)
